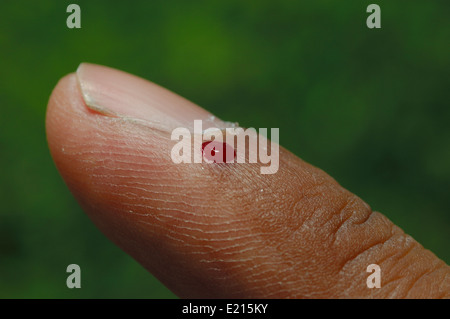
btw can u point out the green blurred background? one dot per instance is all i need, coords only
(370, 107)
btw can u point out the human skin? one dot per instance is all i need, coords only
(220, 230)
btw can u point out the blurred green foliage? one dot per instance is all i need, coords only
(370, 107)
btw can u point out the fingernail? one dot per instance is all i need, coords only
(119, 94)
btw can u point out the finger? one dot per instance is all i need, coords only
(220, 230)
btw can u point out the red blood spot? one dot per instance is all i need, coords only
(211, 151)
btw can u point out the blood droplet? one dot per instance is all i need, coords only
(211, 151)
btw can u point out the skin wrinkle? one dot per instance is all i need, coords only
(312, 216)
(343, 219)
(445, 280)
(392, 288)
(148, 198)
(278, 243)
(402, 276)
(251, 273)
(418, 278)
(446, 293)
(130, 183)
(204, 246)
(366, 250)
(215, 240)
